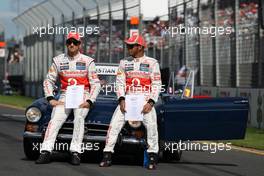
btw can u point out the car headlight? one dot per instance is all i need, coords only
(33, 114)
(134, 124)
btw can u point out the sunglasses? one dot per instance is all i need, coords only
(131, 46)
(75, 42)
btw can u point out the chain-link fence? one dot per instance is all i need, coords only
(103, 24)
(219, 38)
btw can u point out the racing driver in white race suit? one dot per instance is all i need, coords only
(72, 68)
(138, 74)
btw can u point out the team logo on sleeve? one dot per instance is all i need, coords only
(157, 77)
(94, 75)
(51, 70)
(119, 72)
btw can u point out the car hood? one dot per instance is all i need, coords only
(101, 112)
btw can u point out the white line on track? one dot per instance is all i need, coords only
(12, 115)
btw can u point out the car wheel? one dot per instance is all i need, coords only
(139, 158)
(168, 156)
(29, 150)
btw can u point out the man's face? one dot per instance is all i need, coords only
(73, 45)
(133, 49)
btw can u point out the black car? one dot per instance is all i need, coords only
(179, 119)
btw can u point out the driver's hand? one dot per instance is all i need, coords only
(147, 108)
(54, 103)
(122, 105)
(85, 105)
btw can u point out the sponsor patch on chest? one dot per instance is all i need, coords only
(144, 67)
(80, 65)
(64, 67)
(129, 67)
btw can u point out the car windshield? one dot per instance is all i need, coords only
(107, 83)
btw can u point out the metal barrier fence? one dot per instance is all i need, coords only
(232, 59)
(104, 25)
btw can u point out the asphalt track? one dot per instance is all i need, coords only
(193, 163)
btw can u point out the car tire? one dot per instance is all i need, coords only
(168, 156)
(139, 158)
(28, 150)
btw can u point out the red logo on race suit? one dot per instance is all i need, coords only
(72, 81)
(135, 82)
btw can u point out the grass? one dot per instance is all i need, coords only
(254, 139)
(16, 100)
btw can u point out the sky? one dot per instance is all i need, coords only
(152, 8)
(9, 9)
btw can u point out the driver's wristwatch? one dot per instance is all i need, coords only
(151, 102)
(49, 98)
(90, 102)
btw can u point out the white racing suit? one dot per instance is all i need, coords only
(137, 77)
(79, 70)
